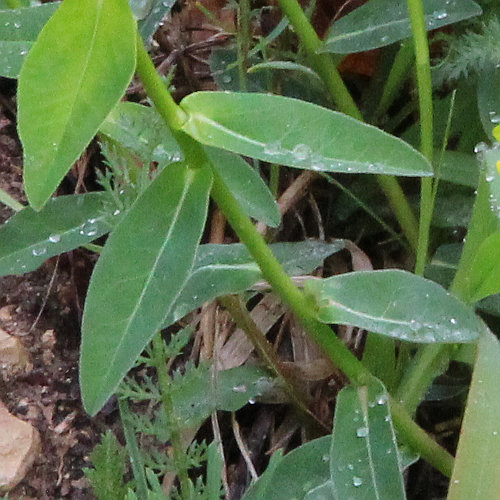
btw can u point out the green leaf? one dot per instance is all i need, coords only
(364, 461)
(459, 168)
(228, 269)
(394, 303)
(141, 130)
(106, 478)
(485, 272)
(379, 356)
(246, 185)
(298, 473)
(488, 99)
(151, 15)
(18, 30)
(198, 393)
(298, 134)
(475, 475)
(142, 268)
(73, 76)
(29, 238)
(490, 159)
(381, 22)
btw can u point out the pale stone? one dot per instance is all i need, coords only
(13, 355)
(19, 446)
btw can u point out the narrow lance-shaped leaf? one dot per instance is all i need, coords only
(364, 459)
(140, 273)
(228, 269)
(246, 185)
(29, 238)
(475, 474)
(378, 23)
(394, 303)
(298, 134)
(18, 30)
(73, 76)
(485, 272)
(296, 474)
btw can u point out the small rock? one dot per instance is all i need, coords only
(13, 355)
(19, 446)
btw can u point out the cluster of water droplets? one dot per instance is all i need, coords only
(489, 158)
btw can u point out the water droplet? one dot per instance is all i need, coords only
(480, 147)
(382, 399)
(55, 238)
(227, 79)
(387, 418)
(494, 117)
(325, 458)
(453, 321)
(357, 481)
(350, 466)
(39, 251)
(251, 401)
(362, 432)
(384, 39)
(117, 212)
(301, 152)
(495, 433)
(273, 148)
(240, 388)
(440, 14)
(17, 25)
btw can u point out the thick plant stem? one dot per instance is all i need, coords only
(155, 88)
(321, 333)
(281, 283)
(424, 81)
(164, 384)
(326, 69)
(322, 63)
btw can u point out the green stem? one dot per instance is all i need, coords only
(274, 273)
(417, 439)
(421, 372)
(323, 64)
(424, 80)
(133, 450)
(7, 200)
(243, 35)
(429, 362)
(14, 4)
(155, 88)
(397, 76)
(319, 332)
(164, 384)
(242, 317)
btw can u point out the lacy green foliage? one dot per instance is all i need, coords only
(478, 49)
(106, 478)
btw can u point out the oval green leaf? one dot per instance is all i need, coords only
(246, 185)
(18, 30)
(298, 134)
(394, 303)
(485, 272)
(227, 269)
(364, 460)
(143, 131)
(138, 277)
(73, 76)
(378, 23)
(29, 238)
(475, 474)
(296, 474)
